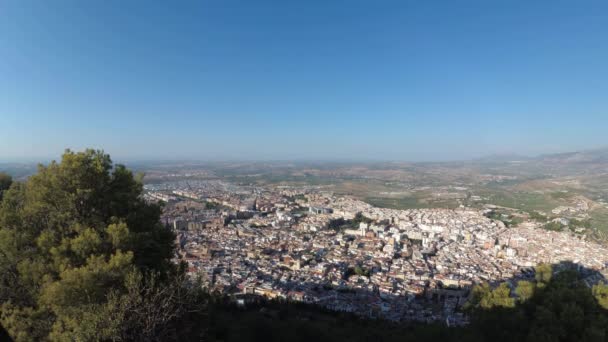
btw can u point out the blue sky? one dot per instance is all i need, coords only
(398, 80)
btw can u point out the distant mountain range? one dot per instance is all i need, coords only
(586, 156)
(590, 156)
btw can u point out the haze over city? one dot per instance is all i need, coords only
(272, 80)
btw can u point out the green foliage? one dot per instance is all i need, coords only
(337, 224)
(361, 271)
(543, 273)
(554, 226)
(71, 237)
(516, 221)
(358, 270)
(561, 195)
(211, 205)
(5, 182)
(580, 223)
(509, 220)
(341, 224)
(525, 290)
(600, 292)
(536, 216)
(360, 218)
(494, 215)
(486, 298)
(557, 307)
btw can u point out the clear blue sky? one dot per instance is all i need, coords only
(402, 80)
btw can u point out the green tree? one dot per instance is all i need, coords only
(360, 218)
(535, 215)
(555, 226)
(524, 290)
(5, 183)
(501, 296)
(600, 292)
(478, 292)
(361, 271)
(484, 297)
(71, 237)
(564, 310)
(543, 275)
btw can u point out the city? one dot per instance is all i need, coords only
(304, 244)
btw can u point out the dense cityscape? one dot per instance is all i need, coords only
(308, 245)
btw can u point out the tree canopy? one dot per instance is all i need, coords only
(72, 239)
(555, 307)
(5, 182)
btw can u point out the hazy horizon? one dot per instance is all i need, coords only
(135, 160)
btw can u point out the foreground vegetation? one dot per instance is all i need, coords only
(83, 257)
